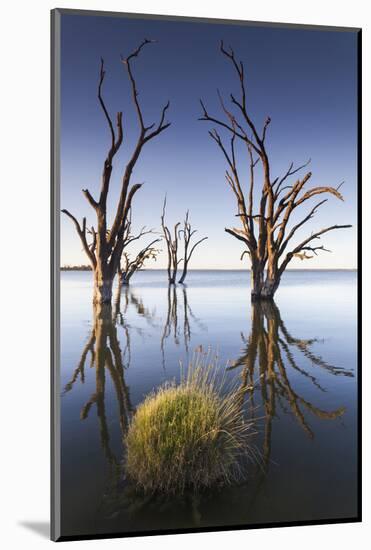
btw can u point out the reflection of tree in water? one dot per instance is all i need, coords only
(110, 357)
(104, 352)
(125, 297)
(268, 355)
(106, 357)
(172, 328)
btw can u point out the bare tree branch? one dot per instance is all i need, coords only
(188, 233)
(300, 224)
(81, 231)
(302, 245)
(130, 266)
(290, 172)
(172, 246)
(236, 234)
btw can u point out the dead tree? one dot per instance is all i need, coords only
(105, 250)
(130, 266)
(188, 233)
(172, 247)
(267, 242)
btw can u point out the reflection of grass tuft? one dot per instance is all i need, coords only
(188, 436)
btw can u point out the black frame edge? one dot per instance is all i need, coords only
(209, 20)
(213, 529)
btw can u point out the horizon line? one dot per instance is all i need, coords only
(78, 268)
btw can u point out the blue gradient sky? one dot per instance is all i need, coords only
(304, 80)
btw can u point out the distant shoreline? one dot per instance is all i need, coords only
(86, 268)
(76, 268)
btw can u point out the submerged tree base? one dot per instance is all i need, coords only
(262, 297)
(188, 437)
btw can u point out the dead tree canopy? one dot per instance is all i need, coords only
(187, 232)
(264, 223)
(172, 243)
(106, 244)
(130, 263)
(172, 247)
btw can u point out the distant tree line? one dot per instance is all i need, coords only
(76, 268)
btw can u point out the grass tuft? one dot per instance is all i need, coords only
(189, 436)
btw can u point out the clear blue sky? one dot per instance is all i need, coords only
(304, 80)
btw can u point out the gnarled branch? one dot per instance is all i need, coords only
(81, 231)
(302, 245)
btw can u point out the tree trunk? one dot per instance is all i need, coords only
(123, 279)
(117, 301)
(257, 280)
(172, 278)
(264, 289)
(102, 287)
(272, 280)
(269, 287)
(184, 274)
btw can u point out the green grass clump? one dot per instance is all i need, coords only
(188, 436)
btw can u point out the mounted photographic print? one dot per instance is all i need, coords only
(205, 340)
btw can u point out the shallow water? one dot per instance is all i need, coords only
(296, 359)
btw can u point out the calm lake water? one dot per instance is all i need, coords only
(295, 358)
